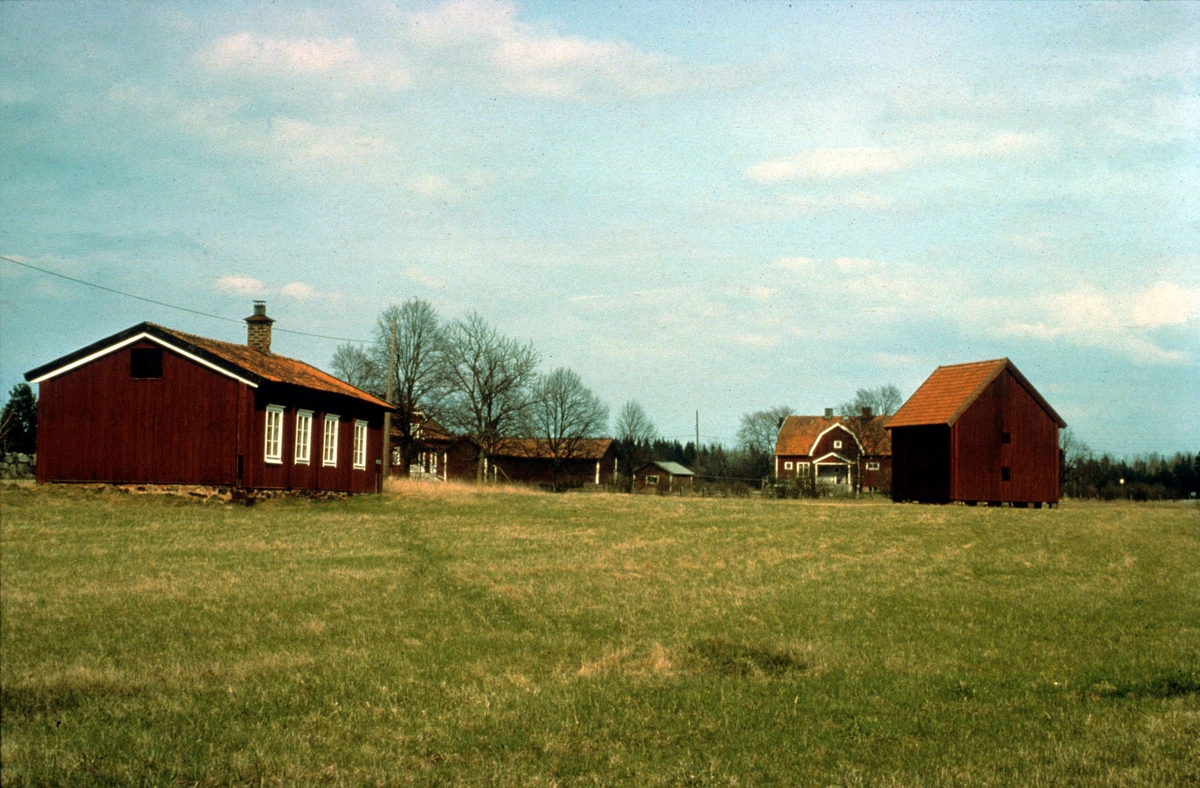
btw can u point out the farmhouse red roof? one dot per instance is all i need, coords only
(587, 449)
(254, 364)
(799, 433)
(951, 389)
(274, 368)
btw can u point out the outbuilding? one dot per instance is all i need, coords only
(976, 433)
(151, 405)
(662, 476)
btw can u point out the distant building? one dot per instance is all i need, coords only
(440, 454)
(661, 476)
(151, 405)
(593, 463)
(977, 432)
(829, 450)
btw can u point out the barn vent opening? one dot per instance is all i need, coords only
(145, 363)
(1006, 474)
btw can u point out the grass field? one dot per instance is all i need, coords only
(454, 636)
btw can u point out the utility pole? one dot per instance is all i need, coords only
(387, 416)
(697, 435)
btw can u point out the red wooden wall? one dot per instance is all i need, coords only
(978, 454)
(95, 424)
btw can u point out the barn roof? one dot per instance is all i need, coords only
(673, 468)
(533, 448)
(799, 434)
(240, 361)
(951, 389)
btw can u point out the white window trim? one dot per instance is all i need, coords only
(304, 417)
(787, 466)
(118, 345)
(327, 444)
(872, 466)
(273, 413)
(652, 478)
(360, 444)
(837, 444)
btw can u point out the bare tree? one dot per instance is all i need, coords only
(410, 334)
(866, 416)
(634, 432)
(1073, 453)
(564, 416)
(757, 431)
(354, 365)
(882, 400)
(488, 381)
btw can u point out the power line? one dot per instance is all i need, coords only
(171, 306)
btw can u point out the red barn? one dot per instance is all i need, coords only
(151, 405)
(976, 432)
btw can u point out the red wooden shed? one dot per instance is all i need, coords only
(151, 405)
(977, 432)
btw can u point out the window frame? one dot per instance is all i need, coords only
(837, 444)
(303, 417)
(788, 465)
(358, 459)
(277, 412)
(329, 446)
(872, 466)
(652, 478)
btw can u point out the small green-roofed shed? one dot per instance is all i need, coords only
(663, 476)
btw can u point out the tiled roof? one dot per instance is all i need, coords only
(798, 433)
(428, 431)
(950, 390)
(274, 368)
(226, 357)
(587, 449)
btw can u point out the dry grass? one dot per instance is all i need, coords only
(454, 635)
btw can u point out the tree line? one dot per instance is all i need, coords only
(1141, 478)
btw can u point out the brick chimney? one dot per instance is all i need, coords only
(867, 415)
(258, 328)
(829, 413)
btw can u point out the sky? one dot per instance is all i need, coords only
(715, 206)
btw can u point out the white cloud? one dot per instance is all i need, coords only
(832, 163)
(242, 285)
(796, 264)
(297, 290)
(430, 186)
(301, 142)
(421, 278)
(520, 57)
(1119, 321)
(252, 54)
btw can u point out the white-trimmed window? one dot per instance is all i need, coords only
(303, 436)
(837, 444)
(787, 465)
(329, 446)
(273, 435)
(802, 466)
(872, 466)
(360, 444)
(652, 479)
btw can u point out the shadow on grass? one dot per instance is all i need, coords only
(31, 700)
(731, 658)
(1171, 684)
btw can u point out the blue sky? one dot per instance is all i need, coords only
(705, 206)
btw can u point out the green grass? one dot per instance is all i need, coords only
(500, 638)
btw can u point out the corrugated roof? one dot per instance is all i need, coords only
(533, 448)
(673, 468)
(951, 389)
